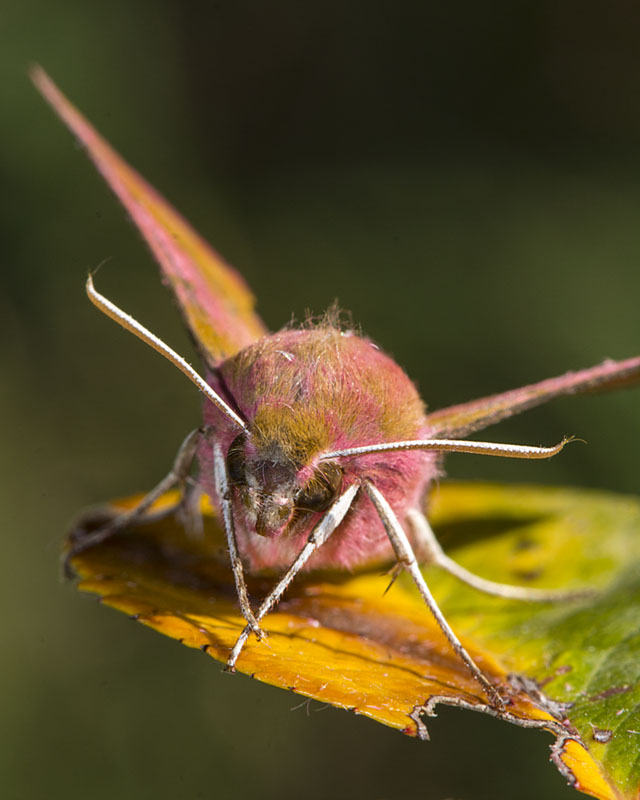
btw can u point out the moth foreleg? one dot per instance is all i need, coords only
(222, 489)
(406, 557)
(176, 476)
(318, 536)
(434, 554)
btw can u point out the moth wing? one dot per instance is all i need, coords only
(466, 418)
(217, 304)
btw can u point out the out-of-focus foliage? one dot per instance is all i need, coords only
(339, 639)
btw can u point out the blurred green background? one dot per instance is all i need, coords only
(465, 177)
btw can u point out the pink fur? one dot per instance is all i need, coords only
(349, 391)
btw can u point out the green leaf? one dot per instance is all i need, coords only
(572, 668)
(585, 654)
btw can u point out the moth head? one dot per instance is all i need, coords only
(274, 489)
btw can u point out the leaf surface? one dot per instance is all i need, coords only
(573, 668)
(216, 302)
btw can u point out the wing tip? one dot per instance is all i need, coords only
(43, 82)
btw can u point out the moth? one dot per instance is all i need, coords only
(316, 448)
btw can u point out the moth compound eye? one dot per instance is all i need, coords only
(236, 465)
(323, 488)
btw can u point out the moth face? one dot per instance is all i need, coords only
(270, 489)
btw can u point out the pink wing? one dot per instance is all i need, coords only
(465, 418)
(214, 299)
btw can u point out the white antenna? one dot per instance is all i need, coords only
(454, 446)
(133, 326)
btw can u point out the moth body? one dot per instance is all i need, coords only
(317, 450)
(305, 393)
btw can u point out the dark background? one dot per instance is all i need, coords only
(463, 176)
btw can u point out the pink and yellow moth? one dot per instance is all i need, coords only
(316, 448)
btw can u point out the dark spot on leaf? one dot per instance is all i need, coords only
(527, 575)
(556, 673)
(524, 543)
(134, 616)
(610, 692)
(205, 647)
(602, 735)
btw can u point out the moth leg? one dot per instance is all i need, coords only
(318, 536)
(222, 489)
(434, 554)
(177, 475)
(406, 557)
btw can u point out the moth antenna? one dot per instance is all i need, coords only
(133, 326)
(455, 446)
